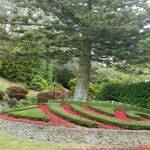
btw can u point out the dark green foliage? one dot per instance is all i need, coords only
(34, 114)
(64, 76)
(17, 70)
(135, 94)
(38, 83)
(1, 95)
(30, 72)
(98, 30)
(12, 103)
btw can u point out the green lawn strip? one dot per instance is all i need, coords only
(122, 106)
(147, 116)
(19, 109)
(56, 109)
(137, 115)
(112, 121)
(34, 114)
(106, 110)
(133, 115)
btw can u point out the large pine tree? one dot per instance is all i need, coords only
(92, 30)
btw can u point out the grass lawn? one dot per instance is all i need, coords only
(34, 114)
(13, 143)
(4, 84)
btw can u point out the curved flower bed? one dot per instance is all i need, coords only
(23, 120)
(134, 125)
(55, 120)
(121, 114)
(75, 114)
(107, 126)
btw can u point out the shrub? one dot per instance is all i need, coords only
(26, 71)
(17, 92)
(43, 97)
(60, 93)
(64, 76)
(2, 95)
(12, 103)
(38, 83)
(135, 94)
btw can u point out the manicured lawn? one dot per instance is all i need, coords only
(34, 114)
(13, 143)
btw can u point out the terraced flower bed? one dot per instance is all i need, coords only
(84, 114)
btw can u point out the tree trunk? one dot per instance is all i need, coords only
(82, 87)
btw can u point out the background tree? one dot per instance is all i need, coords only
(99, 30)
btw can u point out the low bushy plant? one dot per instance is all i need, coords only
(35, 74)
(1, 95)
(38, 83)
(17, 92)
(135, 93)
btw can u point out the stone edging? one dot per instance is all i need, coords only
(102, 137)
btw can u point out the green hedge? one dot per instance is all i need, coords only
(112, 121)
(19, 109)
(56, 108)
(102, 109)
(135, 94)
(34, 114)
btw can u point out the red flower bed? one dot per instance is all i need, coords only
(58, 121)
(144, 119)
(121, 114)
(69, 110)
(29, 121)
(55, 120)
(102, 124)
